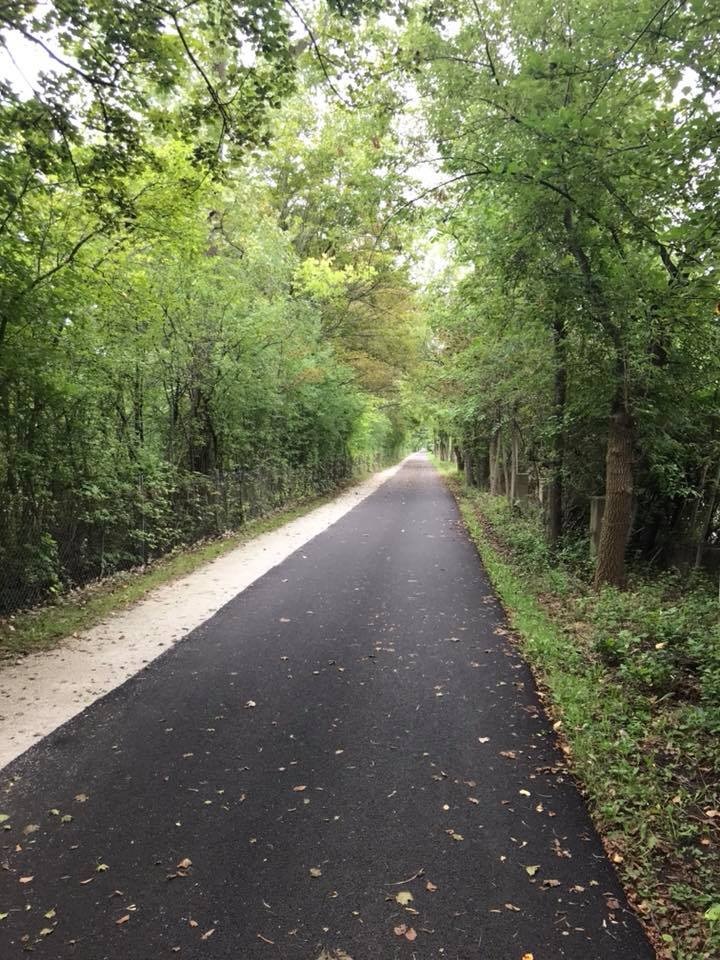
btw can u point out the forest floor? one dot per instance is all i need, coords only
(349, 760)
(631, 680)
(40, 691)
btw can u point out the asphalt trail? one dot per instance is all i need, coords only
(383, 686)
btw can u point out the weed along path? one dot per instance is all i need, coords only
(348, 760)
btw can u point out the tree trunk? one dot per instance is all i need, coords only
(494, 463)
(469, 479)
(617, 519)
(707, 518)
(555, 491)
(514, 464)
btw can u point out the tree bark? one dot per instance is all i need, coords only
(555, 491)
(494, 463)
(617, 519)
(707, 518)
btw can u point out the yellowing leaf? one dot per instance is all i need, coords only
(531, 871)
(50, 914)
(404, 898)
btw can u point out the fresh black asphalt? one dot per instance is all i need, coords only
(354, 719)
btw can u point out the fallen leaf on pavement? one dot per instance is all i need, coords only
(26, 879)
(430, 887)
(404, 897)
(185, 863)
(411, 934)
(315, 872)
(208, 934)
(123, 919)
(531, 871)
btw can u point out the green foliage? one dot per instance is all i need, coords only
(167, 378)
(641, 721)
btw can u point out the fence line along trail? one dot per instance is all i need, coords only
(348, 760)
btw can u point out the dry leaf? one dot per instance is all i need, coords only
(400, 930)
(531, 871)
(430, 887)
(551, 883)
(46, 931)
(123, 919)
(511, 906)
(524, 793)
(483, 739)
(208, 934)
(411, 934)
(185, 863)
(404, 897)
(250, 704)
(300, 788)
(26, 879)
(528, 956)
(473, 800)
(81, 798)
(315, 872)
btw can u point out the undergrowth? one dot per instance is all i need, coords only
(43, 627)
(634, 677)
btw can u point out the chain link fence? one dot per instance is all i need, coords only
(58, 543)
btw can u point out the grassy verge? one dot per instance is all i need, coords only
(43, 627)
(634, 679)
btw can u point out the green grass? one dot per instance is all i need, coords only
(42, 628)
(647, 759)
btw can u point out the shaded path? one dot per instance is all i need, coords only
(383, 686)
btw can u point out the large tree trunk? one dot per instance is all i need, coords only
(555, 491)
(617, 520)
(712, 497)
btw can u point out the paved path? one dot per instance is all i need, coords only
(354, 719)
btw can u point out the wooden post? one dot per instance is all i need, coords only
(597, 510)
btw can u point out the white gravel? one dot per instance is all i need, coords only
(41, 691)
